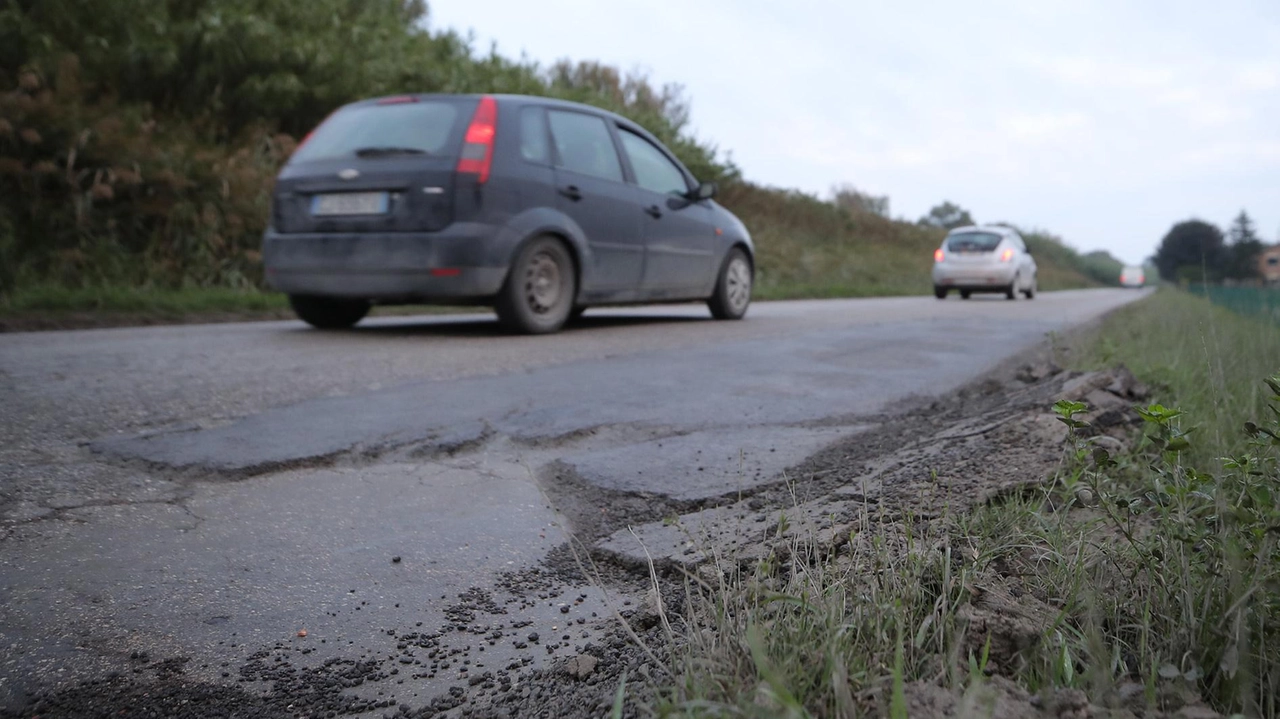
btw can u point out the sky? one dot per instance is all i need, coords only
(1102, 121)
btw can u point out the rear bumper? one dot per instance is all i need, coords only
(977, 278)
(387, 267)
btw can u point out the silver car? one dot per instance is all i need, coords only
(1133, 276)
(984, 259)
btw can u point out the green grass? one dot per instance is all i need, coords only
(1202, 358)
(1154, 574)
(53, 299)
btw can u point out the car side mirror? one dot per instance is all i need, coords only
(704, 191)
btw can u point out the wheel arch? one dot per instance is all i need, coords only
(543, 222)
(747, 250)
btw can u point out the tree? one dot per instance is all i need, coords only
(948, 216)
(1191, 249)
(1245, 247)
(851, 198)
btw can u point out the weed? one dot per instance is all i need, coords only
(1193, 578)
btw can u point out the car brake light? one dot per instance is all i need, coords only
(477, 148)
(397, 100)
(938, 255)
(1007, 255)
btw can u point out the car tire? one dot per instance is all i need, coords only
(1031, 290)
(1011, 292)
(540, 289)
(732, 295)
(965, 294)
(940, 292)
(329, 313)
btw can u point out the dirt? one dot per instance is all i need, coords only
(991, 439)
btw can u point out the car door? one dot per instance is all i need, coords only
(679, 234)
(592, 190)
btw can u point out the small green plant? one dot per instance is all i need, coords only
(1194, 578)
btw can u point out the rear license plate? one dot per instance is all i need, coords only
(349, 203)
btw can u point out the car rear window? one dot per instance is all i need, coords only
(423, 127)
(973, 242)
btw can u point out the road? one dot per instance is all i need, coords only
(209, 491)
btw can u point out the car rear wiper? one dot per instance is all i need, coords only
(388, 150)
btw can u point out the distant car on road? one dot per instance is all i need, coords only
(537, 207)
(1133, 277)
(984, 259)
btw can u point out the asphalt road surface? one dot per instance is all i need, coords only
(208, 491)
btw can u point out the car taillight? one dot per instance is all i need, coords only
(938, 255)
(477, 148)
(1006, 256)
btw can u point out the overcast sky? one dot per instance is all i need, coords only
(1103, 121)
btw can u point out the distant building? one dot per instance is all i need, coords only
(1269, 264)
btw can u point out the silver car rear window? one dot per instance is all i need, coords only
(973, 242)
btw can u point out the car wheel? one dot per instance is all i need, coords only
(1011, 292)
(940, 292)
(540, 288)
(965, 294)
(1031, 289)
(733, 287)
(328, 313)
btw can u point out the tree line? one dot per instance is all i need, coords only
(1198, 251)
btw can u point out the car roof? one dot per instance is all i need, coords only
(997, 229)
(502, 98)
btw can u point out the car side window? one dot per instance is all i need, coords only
(534, 145)
(654, 170)
(583, 144)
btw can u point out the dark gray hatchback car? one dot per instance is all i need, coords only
(537, 207)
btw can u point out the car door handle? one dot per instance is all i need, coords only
(653, 211)
(572, 192)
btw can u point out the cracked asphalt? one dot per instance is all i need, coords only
(416, 493)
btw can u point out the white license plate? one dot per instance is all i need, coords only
(349, 203)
